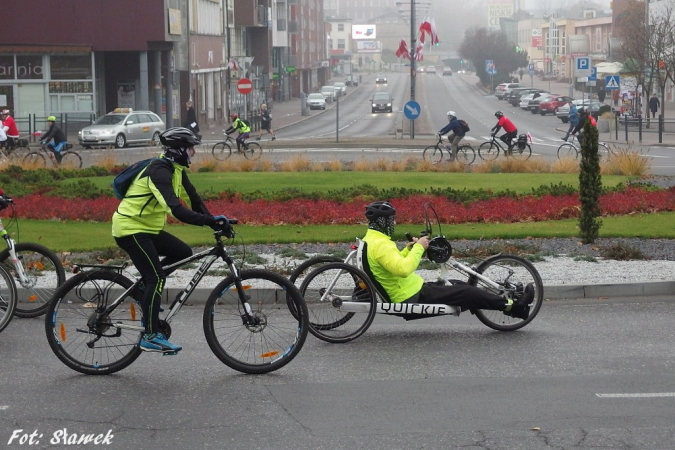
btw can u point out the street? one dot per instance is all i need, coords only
(583, 374)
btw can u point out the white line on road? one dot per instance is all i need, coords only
(4, 407)
(638, 395)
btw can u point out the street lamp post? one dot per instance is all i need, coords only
(412, 62)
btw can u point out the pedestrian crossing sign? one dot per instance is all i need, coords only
(612, 82)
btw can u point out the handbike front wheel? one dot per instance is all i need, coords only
(509, 271)
(7, 299)
(269, 336)
(252, 151)
(43, 275)
(221, 151)
(326, 290)
(86, 341)
(488, 151)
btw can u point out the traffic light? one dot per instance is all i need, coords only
(437, 44)
(517, 49)
(461, 61)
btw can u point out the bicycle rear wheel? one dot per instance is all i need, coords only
(83, 340)
(604, 151)
(252, 151)
(567, 150)
(326, 289)
(221, 151)
(35, 159)
(521, 153)
(509, 271)
(466, 154)
(70, 160)
(7, 299)
(433, 154)
(488, 151)
(44, 274)
(276, 333)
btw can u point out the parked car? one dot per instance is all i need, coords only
(593, 106)
(352, 80)
(525, 100)
(447, 71)
(315, 100)
(380, 78)
(504, 88)
(431, 69)
(552, 104)
(382, 101)
(510, 87)
(328, 93)
(341, 86)
(121, 127)
(516, 94)
(533, 105)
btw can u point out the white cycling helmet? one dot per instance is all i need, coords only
(451, 113)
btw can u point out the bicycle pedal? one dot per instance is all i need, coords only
(169, 353)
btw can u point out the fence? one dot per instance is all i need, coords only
(647, 129)
(70, 123)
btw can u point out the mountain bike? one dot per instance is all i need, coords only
(35, 270)
(434, 153)
(573, 149)
(223, 150)
(14, 151)
(255, 321)
(342, 296)
(489, 150)
(65, 158)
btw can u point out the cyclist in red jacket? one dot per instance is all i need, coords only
(509, 127)
(9, 126)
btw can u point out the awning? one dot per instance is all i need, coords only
(609, 68)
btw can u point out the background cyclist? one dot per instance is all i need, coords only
(509, 127)
(457, 133)
(57, 135)
(9, 125)
(579, 128)
(239, 125)
(139, 222)
(394, 270)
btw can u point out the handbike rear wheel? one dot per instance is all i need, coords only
(307, 267)
(325, 289)
(277, 328)
(7, 298)
(86, 342)
(508, 271)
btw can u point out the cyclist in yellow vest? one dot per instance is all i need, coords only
(241, 126)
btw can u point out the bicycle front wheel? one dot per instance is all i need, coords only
(567, 151)
(488, 151)
(269, 336)
(35, 159)
(433, 154)
(326, 289)
(221, 151)
(511, 273)
(253, 150)
(86, 341)
(466, 154)
(43, 274)
(70, 160)
(7, 299)
(521, 153)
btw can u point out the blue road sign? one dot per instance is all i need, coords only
(594, 74)
(488, 64)
(612, 82)
(412, 110)
(530, 67)
(583, 66)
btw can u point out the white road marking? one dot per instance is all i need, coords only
(638, 395)
(4, 407)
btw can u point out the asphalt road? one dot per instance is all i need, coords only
(583, 375)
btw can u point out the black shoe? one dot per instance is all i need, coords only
(525, 296)
(564, 139)
(258, 138)
(519, 311)
(274, 137)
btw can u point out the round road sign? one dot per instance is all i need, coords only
(244, 86)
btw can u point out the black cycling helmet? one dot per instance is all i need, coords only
(177, 141)
(499, 114)
(379, 209)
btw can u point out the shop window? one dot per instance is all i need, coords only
(70, 67)
(7, 71)
(29, 67)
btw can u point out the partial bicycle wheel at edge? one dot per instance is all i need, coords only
(277, 329)
(221, 151)
(508, 271)
(44, 274)
(7, 299)
(325, 290)
(85, 342)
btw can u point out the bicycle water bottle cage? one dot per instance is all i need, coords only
(439, 250)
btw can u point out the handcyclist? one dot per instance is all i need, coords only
(509, 127)
(140, 220)
(243, 128)
(457, 133)
(394, 270)
(56, 134)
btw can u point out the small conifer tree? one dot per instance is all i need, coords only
(590, 185)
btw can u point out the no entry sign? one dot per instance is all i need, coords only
(244, 86)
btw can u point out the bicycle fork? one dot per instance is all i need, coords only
(16, 262)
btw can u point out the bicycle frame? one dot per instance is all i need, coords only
(16, 262)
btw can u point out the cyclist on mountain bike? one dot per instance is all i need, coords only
(394, 271)
(239, 124)
(509, 127)
(140, 219)
(58, 136)
(457, 133)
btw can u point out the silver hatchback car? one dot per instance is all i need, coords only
(121, 127)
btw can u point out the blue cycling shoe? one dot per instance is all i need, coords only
(156, 342)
